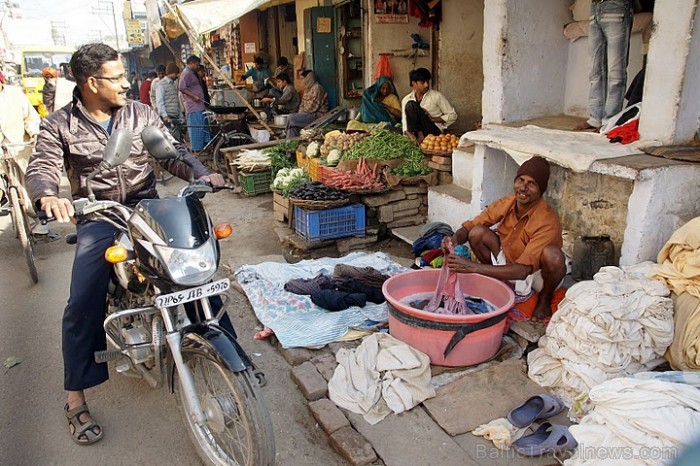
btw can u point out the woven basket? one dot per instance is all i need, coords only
(367, 191)
(318, 205)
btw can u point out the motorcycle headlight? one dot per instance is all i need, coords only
(189, 266)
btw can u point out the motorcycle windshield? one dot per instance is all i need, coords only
(181, 222)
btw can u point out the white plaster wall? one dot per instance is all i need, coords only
(384, 38)
(462, 167)
(689, 114)
(661, 202)
(493, 175)
(668, 56)
(460, 66)
(534, 59)
(494, 47)
(578, 66)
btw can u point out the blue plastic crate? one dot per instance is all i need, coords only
(318, 225)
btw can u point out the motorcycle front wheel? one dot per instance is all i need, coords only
(238, 430)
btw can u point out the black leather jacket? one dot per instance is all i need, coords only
(70, 137)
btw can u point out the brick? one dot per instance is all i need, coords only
(444, 178)
(440, 167)
(442, 160)
(296, 356)
(351, 244)
(406, 213)
(385, 213)
(337, 345)
(352, 446)
(412, 196)
(421, 188)
(407, 204)
(300, 243)
(382, 199)
(325, 365)
(328, 416)
(423, 210)
(312, 384)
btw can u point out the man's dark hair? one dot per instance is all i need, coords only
(305, 72)
(420, 74)
(193, 59)
(160, 69)
(284, 77)
(88, 59)
(259, 61)
(152, 74)
(283, 61)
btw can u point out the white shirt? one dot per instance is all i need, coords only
(17, 116)
(437, 106)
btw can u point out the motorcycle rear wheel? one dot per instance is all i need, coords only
(238, 430)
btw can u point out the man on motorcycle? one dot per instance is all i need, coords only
(75, 137)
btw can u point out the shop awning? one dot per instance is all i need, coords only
(208, 15)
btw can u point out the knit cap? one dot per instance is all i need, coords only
(538, 168)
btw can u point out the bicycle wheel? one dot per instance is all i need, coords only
(23, 233)
(230, 139)
(238, 430)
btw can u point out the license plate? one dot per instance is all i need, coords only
(193, 294)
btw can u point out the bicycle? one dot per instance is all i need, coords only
(221, 140)
(14, 190)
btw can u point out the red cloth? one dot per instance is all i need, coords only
(627, 132)
(524, 310)
(145, 92)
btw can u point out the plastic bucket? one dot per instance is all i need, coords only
(449, 340)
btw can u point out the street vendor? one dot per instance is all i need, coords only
(314, 103)
(259, 74)
(288, 100)
(525, 247)
(425, 111)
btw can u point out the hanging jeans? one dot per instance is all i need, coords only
(608, 39)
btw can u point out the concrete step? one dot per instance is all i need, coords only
(407, 234)
(450, 203)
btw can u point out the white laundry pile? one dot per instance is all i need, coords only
(618, 324)
(679, 268)
(380, 376)
(647, 418)
(679, 260)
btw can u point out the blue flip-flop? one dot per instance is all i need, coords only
(537, 407)
(548, 438)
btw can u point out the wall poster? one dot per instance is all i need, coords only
(391, 11)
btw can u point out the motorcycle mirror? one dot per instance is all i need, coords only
(157, 144)
(117, 149)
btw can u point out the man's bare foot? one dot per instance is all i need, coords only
(542, 311)
(585, 127)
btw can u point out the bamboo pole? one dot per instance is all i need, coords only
(226, 79)
(164, 38)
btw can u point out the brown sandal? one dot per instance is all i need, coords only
(82, 433)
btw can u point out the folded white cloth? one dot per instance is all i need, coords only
(381, 375)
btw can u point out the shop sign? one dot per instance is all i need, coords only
(134, 32)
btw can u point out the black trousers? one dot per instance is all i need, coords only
(418, 120)
(83, 333)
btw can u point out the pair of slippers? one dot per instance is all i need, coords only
(548, 438)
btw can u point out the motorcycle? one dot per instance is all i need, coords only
(165, 256)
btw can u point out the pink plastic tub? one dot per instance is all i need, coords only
(434, 333)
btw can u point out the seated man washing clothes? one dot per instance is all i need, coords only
(525, 247)
(425, 111)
